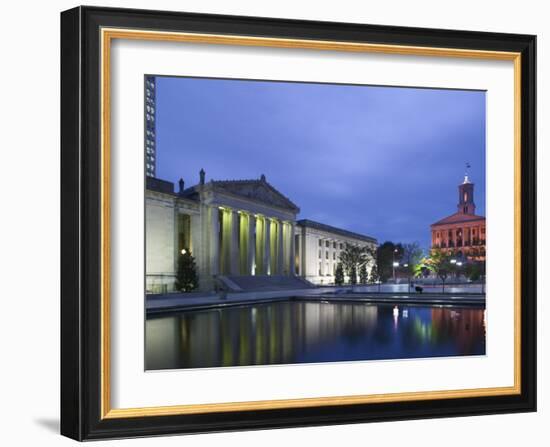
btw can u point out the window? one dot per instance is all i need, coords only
(327, 244)
(326, 255)
(341, 246)
(320, 255)
(334, 245)
(320, 243)
(334, 256)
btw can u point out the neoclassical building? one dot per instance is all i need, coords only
(235, 229)
(464, 232)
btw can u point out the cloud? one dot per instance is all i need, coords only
(382, 160)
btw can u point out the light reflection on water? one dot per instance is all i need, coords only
(301, 332)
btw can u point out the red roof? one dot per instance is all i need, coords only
(459, 218)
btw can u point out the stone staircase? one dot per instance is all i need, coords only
(263, 283)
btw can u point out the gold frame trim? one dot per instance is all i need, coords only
(107, 35)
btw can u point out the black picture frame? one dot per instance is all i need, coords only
(81, 208)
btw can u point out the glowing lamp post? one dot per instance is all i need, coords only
(395, 264)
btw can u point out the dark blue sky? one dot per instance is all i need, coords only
(382, 161)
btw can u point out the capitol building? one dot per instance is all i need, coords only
(462, 233)
(238, 231)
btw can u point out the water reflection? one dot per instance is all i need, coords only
(298, 332)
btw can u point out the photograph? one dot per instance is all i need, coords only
(302, 222)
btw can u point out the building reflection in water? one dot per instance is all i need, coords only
(298, 332)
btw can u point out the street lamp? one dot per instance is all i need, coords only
(408, 279)
(395, 264)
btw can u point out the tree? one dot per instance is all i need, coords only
(353, 274)
(363, 274)
(422, 268)
(475, 271)
(386, 254)
(353, 258)
(374, 278)
(412, 255)
(482, 274)
(186, 276)
(472, 271)
(440, 263)
(339, 275)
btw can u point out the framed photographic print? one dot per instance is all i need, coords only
(277, 223)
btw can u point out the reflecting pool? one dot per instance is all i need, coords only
(302, 332)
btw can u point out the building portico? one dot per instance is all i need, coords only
(239, 227)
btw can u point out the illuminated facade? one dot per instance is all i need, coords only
(318, 249)
(235, 229)
(464, 232)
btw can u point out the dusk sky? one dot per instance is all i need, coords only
(381, 161)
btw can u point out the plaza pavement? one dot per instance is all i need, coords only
(174, 302)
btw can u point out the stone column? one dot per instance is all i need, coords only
(214, 236)
(267, 251)
(303, 260)
(280, 248)
(292, 265)
(234, 244)
(251, 244)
